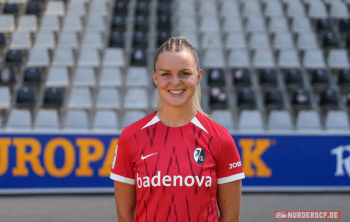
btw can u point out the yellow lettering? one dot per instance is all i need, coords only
(4, 154)
(250, 157)
(105, 170)
(23, 157)
(69, 157)
(86, 157)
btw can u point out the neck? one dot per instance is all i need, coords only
(173, 117)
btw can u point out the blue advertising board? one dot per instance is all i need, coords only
(63, 163)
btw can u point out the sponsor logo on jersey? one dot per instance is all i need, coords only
(144, 157)
(234, 165)
(199, 155)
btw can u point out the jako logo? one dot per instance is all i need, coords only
(168, 181)
(234, 165)
(339, 152)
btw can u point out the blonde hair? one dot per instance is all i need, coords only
(177, 44)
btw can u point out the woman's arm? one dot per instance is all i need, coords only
(229, 201)
(125, 199)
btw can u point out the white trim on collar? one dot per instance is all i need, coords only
(196, 122)
(153, 121)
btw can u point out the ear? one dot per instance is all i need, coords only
(154, 78)
(200, 75)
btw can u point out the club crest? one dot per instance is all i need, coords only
(199, 155)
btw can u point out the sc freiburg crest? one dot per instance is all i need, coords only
(199, 155)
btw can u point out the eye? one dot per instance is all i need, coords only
(184, 73)
(165, 74)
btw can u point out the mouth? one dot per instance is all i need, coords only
(176, 92)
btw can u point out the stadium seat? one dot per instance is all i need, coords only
(283, 40)
(229, 8)
(154, 99)
(263, 58)
(76, 8)
(273, 9)
(113, 58)
(328, 99)
(105, 120)
(68, 40)
(14, 57)
(344, 26)
(324, 24)
(2, 41)
(164, 36)
(273, 99)
(313, 59)
(84, 77)
(57, 77)
(76, 120)
(246, 99)
(207, 8)
(251, 8)
(187, 23)
(7, 23)
(258, 40)
(131, 117)
(46, 119)
(110, 77)
(295, 9)
(250, 120)
(63, 57)
(89, 58)
(72, 24)
(216, 77)
(108, 98)
(140, 39)
(98, 8)
(19, 120)
(49, 23)
(339, 10)
(306, 41)
(119, 23)
(7, 76)
(80, 98)
(301, 99)
(138, 57)
(279, 120)
(317, 10)
(293, 79)
(241, 78)
(95, 24)
(211, 40)
(232, 24)
(53, 98)
(121, 8)
(191, 36)
(301, 24)
(218, 98)
(330, 40)
(136, 98)
(337, 120)
(164, 8)
(288, 59)
(186, 8)
(5, 97)
(308, 120)
(38, 58)
(10, 9)
(137, 76)
(92, 40)
(238, 59)
(278, 24)
(338, 59)
(55, 8)
(320, 78)
(209, 24)
(268, 78)
(344, 78)
(32, 76)
(255, 24)
(213, 58)
(116, 39)
(25, 98)
(21, 41)
(235, 41)
(223, 117)
(141, 23)
(164, 23)
(27, 23)
(45, 40)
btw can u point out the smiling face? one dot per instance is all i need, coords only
(176, 77)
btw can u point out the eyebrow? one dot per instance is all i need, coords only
(182, 70)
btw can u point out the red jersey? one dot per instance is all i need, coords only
(176, 169)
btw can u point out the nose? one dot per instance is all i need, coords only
(175, 80)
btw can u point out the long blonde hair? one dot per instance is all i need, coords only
(177, 44)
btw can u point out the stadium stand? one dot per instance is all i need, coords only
(268, 64)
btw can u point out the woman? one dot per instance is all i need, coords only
(176, 164)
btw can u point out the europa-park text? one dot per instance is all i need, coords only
(79, 155)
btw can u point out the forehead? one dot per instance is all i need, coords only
(176, 60)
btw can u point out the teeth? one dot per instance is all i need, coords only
(177, 92)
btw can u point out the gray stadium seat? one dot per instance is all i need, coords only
(187, 23)
(55, 8)
(235, 41)
(68, 40)
(108, 98)
(213, 58)
(337, 120)
(229, 8)
(273, 8)
(301, 24)
(250, 120)
(72, 24)
(238, 59)
(278, 24)
(339, 10)
(105, 120)
(211, 40)
(38, 58)
(76, 120)
(209, 24)
(279, 120)
(95, 24)
(283, 40)
(263, 58)
(232, 24)
(57, 77)
(313, 59)
(295, 9)
(191, 36)
(84, 77)
(224, 118)
(113, 57)
(46, 120)
(63, 57)
(80, 98)
(154, 99)
(5, 98)
(317, 10)
(49, 23)
(255, 24)
(307, 40)
(137, 76)
(288, 59)
(308, 120)
(21, 41)
(45, 40)
(76, 8)
(110, 77)
(7, 23)
(92, 40)
(207, 8)
(19, 120)
(27, 23)
(251, 8)
(338, 59)
(131, 117)
(89, 58)
(186, 8)
(136, 98)
(98, 8)
(259, 40)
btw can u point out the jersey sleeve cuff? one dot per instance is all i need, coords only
(122, 179)
(231, 178)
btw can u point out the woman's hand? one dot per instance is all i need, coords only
(229, 201)
(125, 199)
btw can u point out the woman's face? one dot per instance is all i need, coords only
(176, 77)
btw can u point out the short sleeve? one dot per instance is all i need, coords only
(228, 163)
(122, 166)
